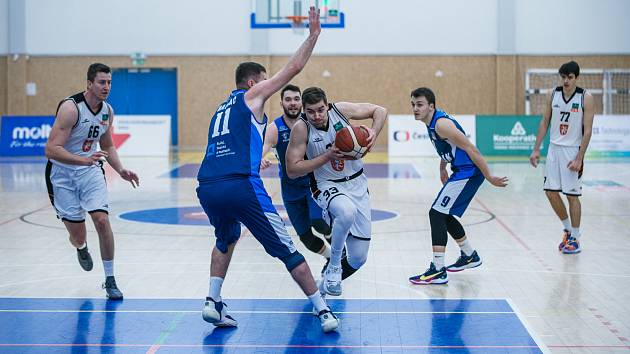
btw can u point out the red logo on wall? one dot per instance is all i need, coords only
(119, 139)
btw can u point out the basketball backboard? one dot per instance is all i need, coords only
(289, 13)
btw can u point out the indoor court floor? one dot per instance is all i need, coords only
(525, 298)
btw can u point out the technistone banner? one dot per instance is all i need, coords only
(611, 136)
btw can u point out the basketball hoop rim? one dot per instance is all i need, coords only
(296, 21)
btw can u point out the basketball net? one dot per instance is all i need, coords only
(297, 24)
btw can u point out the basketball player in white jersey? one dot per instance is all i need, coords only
(74, 173)
(338, 183)
(569, 115)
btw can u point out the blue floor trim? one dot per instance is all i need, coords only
(265, 326)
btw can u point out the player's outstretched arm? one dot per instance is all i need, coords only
(534, 158)
(107, 144)
(447, 129)
(256, 96)
(296, 165)
(361, 111)
(66, 118)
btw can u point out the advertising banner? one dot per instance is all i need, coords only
(142, 135)
(24, 135)
(611, 136)
(508, 135)
(409, 137)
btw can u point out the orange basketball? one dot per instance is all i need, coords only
(353, 143)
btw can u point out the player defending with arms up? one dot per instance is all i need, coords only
(338, 184)
(231, 191)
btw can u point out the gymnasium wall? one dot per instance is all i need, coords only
(3, 84)
(374, 27)
(4, 27)
(4, 49)
(467, 85)
(474, 54)
(546, 27)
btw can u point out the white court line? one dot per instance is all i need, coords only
(485, 269)
(267, 312)
(528, 328)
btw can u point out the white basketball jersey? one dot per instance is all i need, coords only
(566, 127)
(320, 140)
(87, 131)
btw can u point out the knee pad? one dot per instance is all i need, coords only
(438, 227)
(312, 242)
(454, 227)
(293, 260)
(321, 226)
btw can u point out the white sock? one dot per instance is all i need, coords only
(108, 266)
(575, 232)
(438, 260)
(83, 246)
(466, 247)
(318, 301)
(567, 224)
(214, 289)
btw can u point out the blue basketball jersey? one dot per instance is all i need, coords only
(448, 151)
(291, 188)
(235, 140)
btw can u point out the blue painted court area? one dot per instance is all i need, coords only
(372, 170)
(196, 216)
(265, 326)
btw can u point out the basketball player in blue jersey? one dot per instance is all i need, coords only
(569, 113)
(231, 191)
(469, 169)
(303, 212)
(74, 173)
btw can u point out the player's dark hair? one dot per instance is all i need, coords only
(313, 95)
(246, 71)
(96, 68)
(289, 87)
(570, 68)
(424, 92)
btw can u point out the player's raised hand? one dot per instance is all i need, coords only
(498, 181)
(130, 176)
(314, 26)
